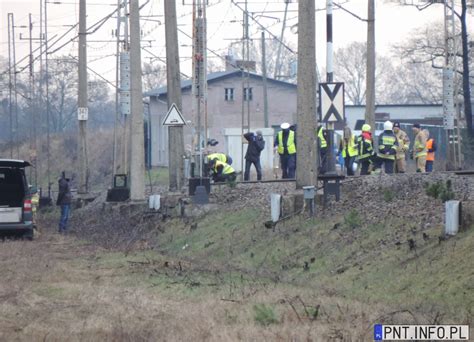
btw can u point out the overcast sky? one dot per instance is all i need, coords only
(394, 24)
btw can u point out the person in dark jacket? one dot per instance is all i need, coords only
(255, 148)
(64, 201)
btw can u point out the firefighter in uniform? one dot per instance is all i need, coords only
(365, 149)
(419, 148)
(403, 146)
(387, 148)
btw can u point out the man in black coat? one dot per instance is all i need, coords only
(64, 201)
(256, 146)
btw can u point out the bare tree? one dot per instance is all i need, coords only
(461, 14)
(287, 59)
(153, 76)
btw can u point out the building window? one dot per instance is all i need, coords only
(248, 94)
(229, 94)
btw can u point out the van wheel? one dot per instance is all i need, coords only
(28, 236)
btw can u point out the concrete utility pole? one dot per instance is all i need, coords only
(264, 77)
(306, 169)
(449, 82)
(137, 155)
(370, 79)
(173, 76)
(82, 100)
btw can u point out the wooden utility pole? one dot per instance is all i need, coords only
(137, 150)
(173, 76)
(82, 100)
(306, 169)
(370, 79)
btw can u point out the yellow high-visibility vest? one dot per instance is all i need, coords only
(351, 148)
(321, 138)
(290, 143)
(227, 168)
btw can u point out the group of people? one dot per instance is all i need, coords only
(360, 151)
(220, 164)
(357, 152)
(393, 145)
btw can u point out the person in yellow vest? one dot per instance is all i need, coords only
(220, 157)
(403, 146)
(365, 147)
(323, 149)
(285, 143)
(222, 172)
(348, 149)
(430, 151)
(419, 148)
(387, 148)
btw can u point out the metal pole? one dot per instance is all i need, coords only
(82, 99)
(306, 109)
(248, 66)
(277, 64)
(10, 84)
(39, 165)
(176, 137)
(329, 52)
(137, 152)
(126, 118)
(48, 105)
(33, 116)
(331, 160)
(117, 90)
(264, 75)
(17, 138)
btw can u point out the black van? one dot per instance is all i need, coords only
(16, 215)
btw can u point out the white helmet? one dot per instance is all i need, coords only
(285, 125)
(387, 125)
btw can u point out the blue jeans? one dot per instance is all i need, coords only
(65, 209)
(288, 165)
(429, 166)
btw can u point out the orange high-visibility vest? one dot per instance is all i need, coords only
(430, 156)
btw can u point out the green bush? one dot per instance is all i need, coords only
(264, 315)
(388, 195)
(353, 219)
(441, 190)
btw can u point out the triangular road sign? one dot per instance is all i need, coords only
(174, 117)
(332, 118)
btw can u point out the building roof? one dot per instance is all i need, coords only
(213, 77)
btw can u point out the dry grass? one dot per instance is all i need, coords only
(58, 288)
